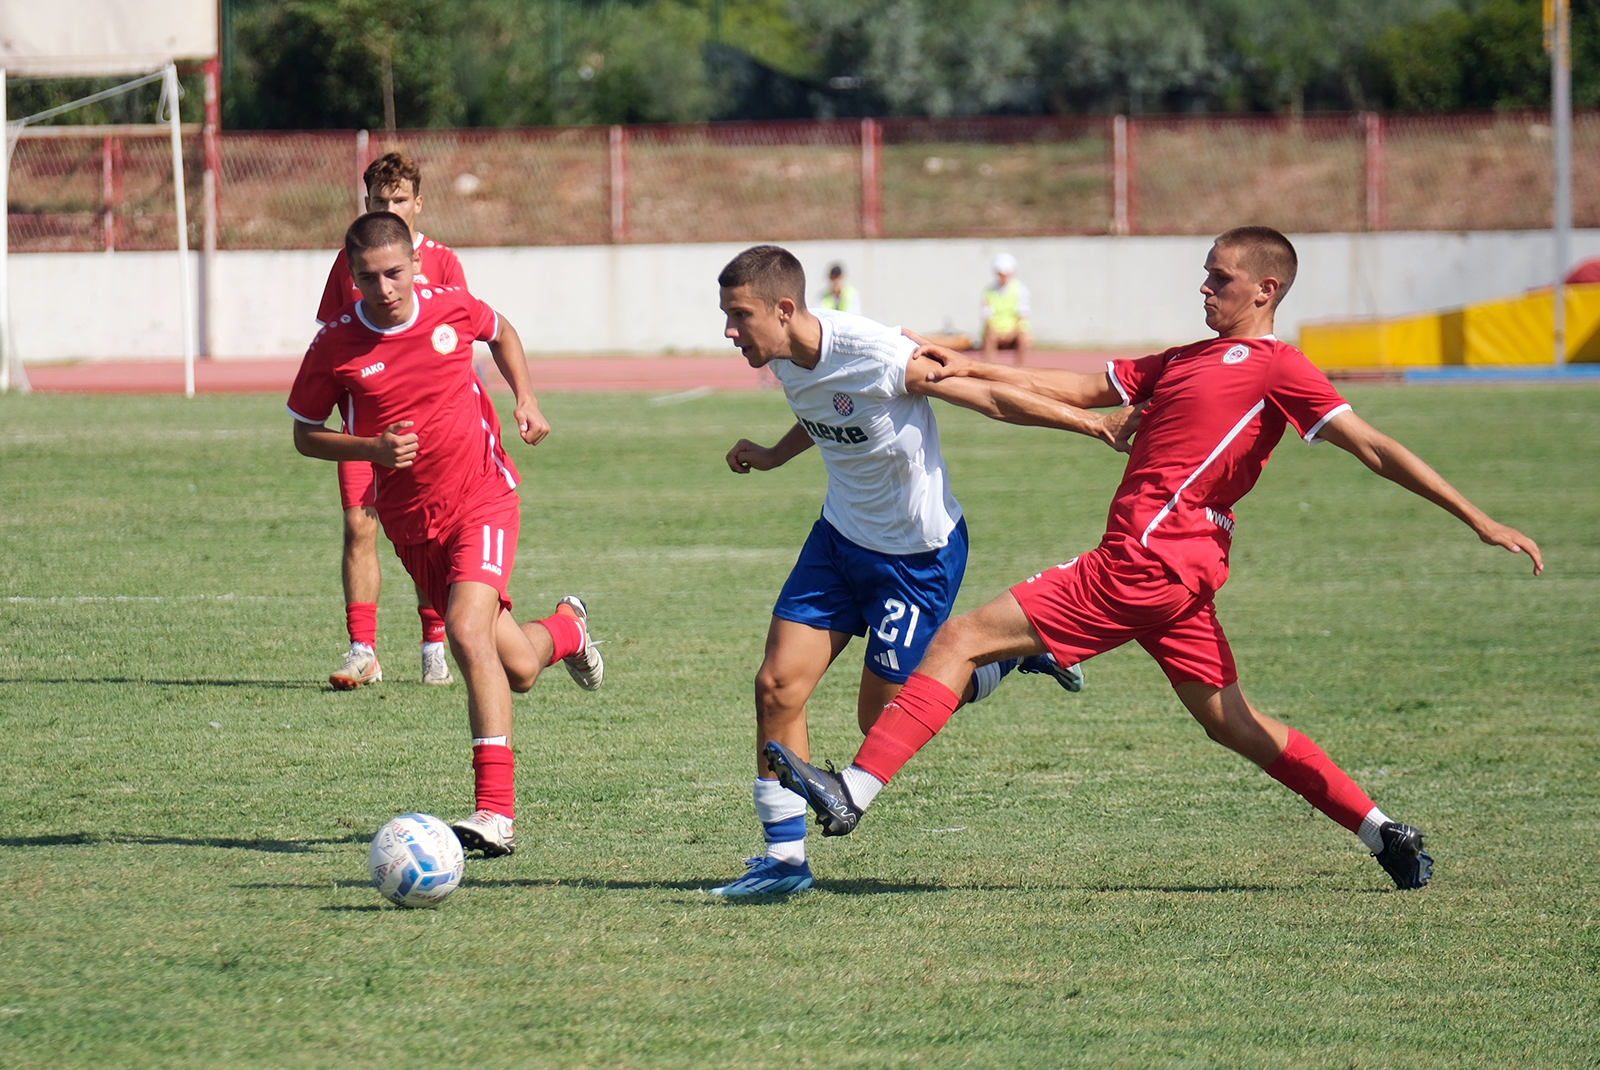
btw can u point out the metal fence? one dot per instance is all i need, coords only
(81, 189)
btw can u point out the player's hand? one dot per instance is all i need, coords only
(914, 336)
(531, 424)
(1117, 428)
(746, 455)
(948, 363)
(395, 448)
(1497, 534)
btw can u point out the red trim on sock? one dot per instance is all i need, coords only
(432, 624)
(1307, 771)
(493, 774)
(361, 621)
(906, 725)
(566, 632)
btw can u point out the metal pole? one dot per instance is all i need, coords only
(1374, 169)
(871, 179)
(170, 91)
(209, 180)
(1561, 225)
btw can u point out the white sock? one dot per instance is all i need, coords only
(1370, 825)
(362, 647)
(862, 786)
(429, 648)
(782, 814)
(488, 741)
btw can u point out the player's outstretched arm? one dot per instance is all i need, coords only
(1083, 390)
(1015, 405)
(1394, 462)
(395, 448)
(506, 348)
(746, 455)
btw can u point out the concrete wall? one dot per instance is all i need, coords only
(1087, 292)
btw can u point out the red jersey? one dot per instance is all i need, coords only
(1216, 410)
(439, 268)
(419, 371)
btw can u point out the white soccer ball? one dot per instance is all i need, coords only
(416, 861)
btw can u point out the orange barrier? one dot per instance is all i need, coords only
(1515, 330)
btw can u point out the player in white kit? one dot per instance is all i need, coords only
(885, 559)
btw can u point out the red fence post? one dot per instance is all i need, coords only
(361, 171)
(1121, 176)
(210, 194)
(619, 184)
(1374, 170)
(108, 190)
(871, 179)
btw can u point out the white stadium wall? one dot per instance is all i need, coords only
(1087, 292)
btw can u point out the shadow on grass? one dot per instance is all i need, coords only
(275, 685)
(86, 839)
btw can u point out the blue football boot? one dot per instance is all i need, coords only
(768, 876)
(1402, 856)
(1070, 678)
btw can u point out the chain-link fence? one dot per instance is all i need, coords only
(80, 189)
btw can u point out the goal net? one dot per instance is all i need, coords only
(100, 38)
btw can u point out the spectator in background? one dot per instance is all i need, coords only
(1005, 312)
(840, 295)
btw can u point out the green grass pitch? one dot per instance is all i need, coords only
(1056, 881)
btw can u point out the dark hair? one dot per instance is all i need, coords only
(391, 169)
(376, 230)
(1264, 253)
(769, 270)
(835, 270)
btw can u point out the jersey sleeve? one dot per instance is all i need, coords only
(1136, 380)
(315, 393)
(1303, 393)
(336, 294)
(485, 320)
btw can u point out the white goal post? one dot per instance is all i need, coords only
(97, 38)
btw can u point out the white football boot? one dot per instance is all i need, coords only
(586, 667)
(435, 670)
(360, 667)
(486, 831)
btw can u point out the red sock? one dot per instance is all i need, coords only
(361, 620)
(432, 624)
(1306, 770)
(493, 770)
(914, 717)
(566, 632)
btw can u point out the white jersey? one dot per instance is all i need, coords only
(887, 486)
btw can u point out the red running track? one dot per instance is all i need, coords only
(645, 375)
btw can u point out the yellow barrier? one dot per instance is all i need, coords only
(1516, 330)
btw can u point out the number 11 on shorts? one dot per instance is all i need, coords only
(897, 611)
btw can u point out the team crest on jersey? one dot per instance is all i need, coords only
(444, 338)
(1235, 355)
(843, 405)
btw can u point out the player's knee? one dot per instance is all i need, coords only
(521, 682)
(470, 642)
(774, 693)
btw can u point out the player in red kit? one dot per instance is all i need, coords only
(400, 359)
(1213, 412)
(394, 184)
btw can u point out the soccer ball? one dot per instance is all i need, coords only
(416, 861)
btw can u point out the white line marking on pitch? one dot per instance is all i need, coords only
(678, 399)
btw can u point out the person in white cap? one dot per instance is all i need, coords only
(1005, 312)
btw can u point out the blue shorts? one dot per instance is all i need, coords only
(896, 600)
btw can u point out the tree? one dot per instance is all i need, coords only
(321, 63)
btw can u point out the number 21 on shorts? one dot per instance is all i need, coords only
(896, 613)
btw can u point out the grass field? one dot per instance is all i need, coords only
(1057, 880)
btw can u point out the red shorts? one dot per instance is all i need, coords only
(1099, 601)
(481, 549)
(358, 484)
